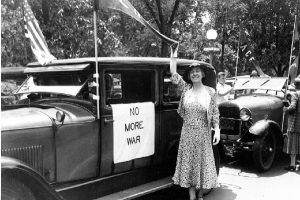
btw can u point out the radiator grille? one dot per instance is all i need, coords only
(32, 155)
(230, 126)
(230, 122)
(229, 110)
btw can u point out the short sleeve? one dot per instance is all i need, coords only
(292, 108)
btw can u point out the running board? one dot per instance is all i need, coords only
(140, 190)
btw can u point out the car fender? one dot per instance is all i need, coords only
(261, 127)
(16, 169)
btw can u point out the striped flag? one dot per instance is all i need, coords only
(126, 7)
(246, 49)
(37, 40)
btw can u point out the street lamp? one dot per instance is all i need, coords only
(211, 35)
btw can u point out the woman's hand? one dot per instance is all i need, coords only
(216, 138)
(173, 62)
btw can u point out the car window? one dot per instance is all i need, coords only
(113, 85)
(129, 86)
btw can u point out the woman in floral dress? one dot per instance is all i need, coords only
(292, 147)
(195, 167)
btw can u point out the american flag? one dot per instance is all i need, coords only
(37, 40)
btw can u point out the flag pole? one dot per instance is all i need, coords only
(290, 62)
(286, 83)
(96, 76)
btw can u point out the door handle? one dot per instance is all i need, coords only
(106, 121)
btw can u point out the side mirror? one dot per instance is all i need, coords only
(60, 116)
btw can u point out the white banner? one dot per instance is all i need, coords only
(134, 126)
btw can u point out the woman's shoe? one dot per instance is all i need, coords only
(290, 168)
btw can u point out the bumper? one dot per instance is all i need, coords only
(234, 147)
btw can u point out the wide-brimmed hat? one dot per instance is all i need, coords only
(209, 72)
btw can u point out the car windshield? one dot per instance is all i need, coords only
(260, 85)
(56, 80)
(68, 85)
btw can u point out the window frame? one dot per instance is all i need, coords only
(120, 70)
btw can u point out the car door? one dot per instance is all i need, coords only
(132, 86)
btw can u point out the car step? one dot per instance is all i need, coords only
(140, 190)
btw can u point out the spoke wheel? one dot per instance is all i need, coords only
(264, 151)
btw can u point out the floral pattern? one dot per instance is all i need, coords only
(195, 165)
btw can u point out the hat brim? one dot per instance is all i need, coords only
(210, 74)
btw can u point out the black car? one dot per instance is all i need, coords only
(252, 121)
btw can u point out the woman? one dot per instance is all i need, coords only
(195, 167)
(292, 146)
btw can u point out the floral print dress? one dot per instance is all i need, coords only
(292, 144)
(195, 165)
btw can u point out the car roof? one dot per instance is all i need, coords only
(35, 67)
(12, 73)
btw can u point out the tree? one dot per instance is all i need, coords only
(69, 30)
(270, 25)
(13, 48)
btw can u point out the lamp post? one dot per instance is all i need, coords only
(211, 35)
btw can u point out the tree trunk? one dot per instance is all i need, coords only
(166, 30)
(222, 51)
(45, 14)
(45, 9)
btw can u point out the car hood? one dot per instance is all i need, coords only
(260, 106)
(34, 117)
(260, 102)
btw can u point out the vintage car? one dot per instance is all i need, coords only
(252, 121)
(91, 128)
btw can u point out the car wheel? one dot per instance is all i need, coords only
(264, 151)
(13, 189)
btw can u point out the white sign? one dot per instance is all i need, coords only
(134, 126)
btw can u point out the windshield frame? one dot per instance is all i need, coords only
(29, 87)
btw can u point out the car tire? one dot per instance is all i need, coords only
(264, 151)
(13, 189)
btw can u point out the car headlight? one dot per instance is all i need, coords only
(245, 114)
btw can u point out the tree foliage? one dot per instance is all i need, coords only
(270, 25)
(68, 27)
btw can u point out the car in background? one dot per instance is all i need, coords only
(252, 121)
(11, 79)
(87, 129)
